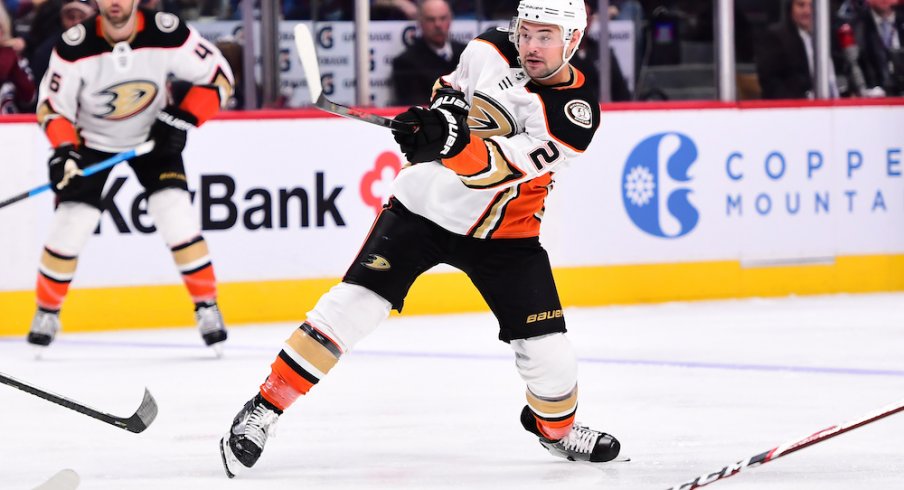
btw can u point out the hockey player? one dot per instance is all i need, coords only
(104, 92)
(512, 113)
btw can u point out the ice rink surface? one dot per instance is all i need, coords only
(433, 402)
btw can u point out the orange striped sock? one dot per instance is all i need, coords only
(306, 357)
(193, 260)
(55, 273)
(555, 429)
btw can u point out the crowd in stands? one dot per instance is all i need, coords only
(774, 37)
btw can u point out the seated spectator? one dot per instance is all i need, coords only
(879, 31)
(72, 13)
(784, 58)
(17, 89)
(431, 55)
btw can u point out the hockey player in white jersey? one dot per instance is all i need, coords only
(512, 114)
(105, 92)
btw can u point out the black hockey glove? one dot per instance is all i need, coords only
(442, 130)
(64, 168)
(170, 130)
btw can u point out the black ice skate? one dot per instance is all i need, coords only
(44, 327)
(581, 444)
(210, 324)
(244, 443)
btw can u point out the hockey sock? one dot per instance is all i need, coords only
(305, 358)
(55, 273)
(193, 260)
(554, 416)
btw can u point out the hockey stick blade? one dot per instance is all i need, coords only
(137, 422)
(63, 480)
(307, 54)
(93, 169)
(789, 447)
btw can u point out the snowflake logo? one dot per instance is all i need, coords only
(639, 186)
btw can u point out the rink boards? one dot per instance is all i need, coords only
(670, 202)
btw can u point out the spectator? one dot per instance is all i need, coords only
(17, 90)
(44, 25)
(879, 31)
(431, 55)
(587, 58)
(785, 56)
(72, 13)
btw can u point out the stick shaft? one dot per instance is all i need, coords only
(93, 169)
(790, 447)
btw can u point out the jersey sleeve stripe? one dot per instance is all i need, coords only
(202, 101)
(60, 131)
(475, 158)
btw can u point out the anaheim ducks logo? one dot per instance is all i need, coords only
(376, 263)
(488, 118)
(579, 112)
(127, 99)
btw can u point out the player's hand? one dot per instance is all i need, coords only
(440, 134)
(64, 170)
(170, 130)
(451, 100)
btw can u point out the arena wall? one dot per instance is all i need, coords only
(670, 202)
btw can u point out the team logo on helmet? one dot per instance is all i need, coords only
(579, 112)
(166, 22)
(74, 35)
(127, 99)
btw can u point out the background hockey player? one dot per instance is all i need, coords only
(472, 198)
(105, 91)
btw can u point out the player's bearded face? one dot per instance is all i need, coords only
(540, 48)
(117, 12)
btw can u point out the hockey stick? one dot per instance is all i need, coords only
(136, 423)
(63, 480)
(93, 169)
(790, 447)
(307, 53)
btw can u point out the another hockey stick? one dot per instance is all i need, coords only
(93, 169)
(789, 447)
(136, 423)
(307, 53)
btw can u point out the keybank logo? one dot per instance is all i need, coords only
(658, 203)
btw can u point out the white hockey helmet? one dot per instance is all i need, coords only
(570, 15)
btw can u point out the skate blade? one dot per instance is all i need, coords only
(63, 480)
(38, 351)
(217, 349)
(228, 458)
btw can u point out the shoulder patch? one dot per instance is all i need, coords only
(166, 22)
(579, 112)
(75, 35)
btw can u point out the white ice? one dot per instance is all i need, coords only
(433, 402)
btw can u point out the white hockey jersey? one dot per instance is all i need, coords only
(521, 134)
(112, 93)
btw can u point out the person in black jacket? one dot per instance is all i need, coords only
(879, 31)
(784, 58)
(431, 55)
